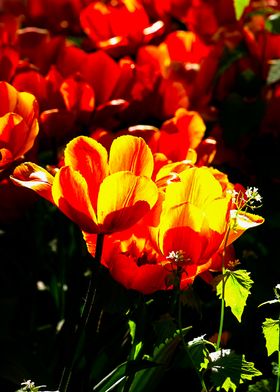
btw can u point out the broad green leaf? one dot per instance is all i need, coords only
(164, 328)
(199, 352)
(237, 288)
(239, 7)
(270, 329)
(148, 379)
(229, 370)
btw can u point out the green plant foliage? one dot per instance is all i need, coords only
(229, 370)
(148, 378)
(270, 329)
(118, 376)
(237, 288)
(273, 72)
(273, 23)
(199, 352)
(262, 386)
(239, 6)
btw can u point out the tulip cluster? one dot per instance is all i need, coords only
(125, 116)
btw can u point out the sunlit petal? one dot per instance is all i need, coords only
(34, 177)
(241, 221)
(201, 186)
(123, 200)
(89, 157)
(9, 97)
(133, 154)
(70, 194)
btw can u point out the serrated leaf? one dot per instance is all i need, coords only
(237, 289)
(270, 329)
(239, 7)
(164, 328)
(229, 370)
(148, 379)
(199, 352)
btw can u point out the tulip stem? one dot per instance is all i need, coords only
(83, 321)
(278, 370)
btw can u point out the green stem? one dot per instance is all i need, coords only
(278, 372)
(186, 348)
(86, 312)
(222, 313)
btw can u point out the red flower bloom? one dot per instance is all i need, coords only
(81, 187)
(118, 27)
(18, 124)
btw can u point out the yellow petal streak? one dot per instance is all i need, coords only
(124, 199)
(133, 154)
(70, 194)
(89, 157)
(201, 187)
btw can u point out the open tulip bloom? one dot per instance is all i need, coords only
(196, 221)
(195, 218)
(101, 195)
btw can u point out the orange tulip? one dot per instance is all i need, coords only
(194, 222)
(100, 195)
(183, 131)
(18, 124)
(183, 236)
(134, 262)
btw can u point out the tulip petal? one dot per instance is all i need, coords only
(241, 221)
(70, 194)
(9, 97)
(186, 228)
(14, 134)
(89, 157)
(133, 154)
(201, 187)
(146, 279)
(32, 176)
(123, 200)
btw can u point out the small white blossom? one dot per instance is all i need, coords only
(252, 194)
(176, 256)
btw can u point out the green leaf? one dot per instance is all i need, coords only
(272, 23)
(273, 72)
(199, 352)
(147, 379)
(237, 288)
(270, 329)
(229, 370)
(118, 376)
(262, 386)
(229, 57)
(164, 328)
(239, 7)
